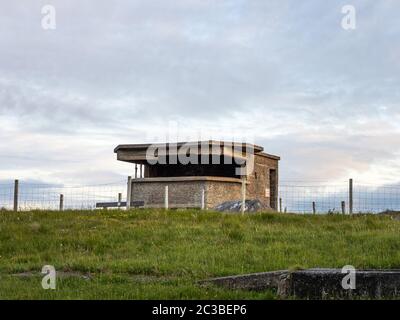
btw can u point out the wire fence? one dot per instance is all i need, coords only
(51, 197)
(304, 197)
(376, 199)
(6, 195)
(295, 197)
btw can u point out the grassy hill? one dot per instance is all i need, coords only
(154, 254)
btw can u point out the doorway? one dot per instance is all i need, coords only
(273, 189)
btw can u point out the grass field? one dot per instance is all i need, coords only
(154, 254)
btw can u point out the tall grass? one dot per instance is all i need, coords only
(161, 254)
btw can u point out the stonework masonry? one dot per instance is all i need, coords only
(187, 191)
(220, 181)
(183, 193)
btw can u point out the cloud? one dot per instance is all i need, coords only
(282, 73)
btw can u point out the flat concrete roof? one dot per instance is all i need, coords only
(143, 146)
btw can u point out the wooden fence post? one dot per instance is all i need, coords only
(243, 194)
(119, 200)
(343, 207)
(203, 198)
(280, 205)
(166, 198)
(351, 196)
(61, 202)
(16, 190)
(129, 193)
(314, 207)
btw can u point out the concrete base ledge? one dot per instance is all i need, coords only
(188, 178)
(318, 283)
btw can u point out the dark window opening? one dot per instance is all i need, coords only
(179, 170)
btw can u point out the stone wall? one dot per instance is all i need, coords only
(180, 193)
(183, 193)
(218, 192)
(258, 186)
(186, 191)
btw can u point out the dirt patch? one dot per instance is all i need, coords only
(138, 278)
(60, 274)
(141, 278)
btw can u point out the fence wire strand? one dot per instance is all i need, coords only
(294, 196)
(47, 197)
(298, 197)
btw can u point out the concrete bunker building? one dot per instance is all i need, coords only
(193, 171)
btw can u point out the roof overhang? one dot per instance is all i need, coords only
(139, 152)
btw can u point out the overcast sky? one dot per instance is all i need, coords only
(281, 73)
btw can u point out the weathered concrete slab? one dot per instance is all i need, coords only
(318, 283)
(255, 281)
(121, 204)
